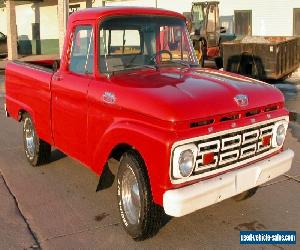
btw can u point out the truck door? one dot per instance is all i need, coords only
(69, 94)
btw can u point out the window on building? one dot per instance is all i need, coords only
(297, 22)
(82, 53)
(243, 22)
(227, 22)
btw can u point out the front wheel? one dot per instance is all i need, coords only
(37, 151)
(140, 217)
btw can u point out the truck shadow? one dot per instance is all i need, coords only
(294, 125)
(57, 155)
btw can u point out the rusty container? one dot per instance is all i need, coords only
(263, 58)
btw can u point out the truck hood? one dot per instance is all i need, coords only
(175, 94)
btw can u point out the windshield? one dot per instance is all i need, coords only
(129, 42)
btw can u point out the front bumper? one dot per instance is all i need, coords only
(182, 201)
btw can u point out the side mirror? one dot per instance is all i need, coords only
(222, 30)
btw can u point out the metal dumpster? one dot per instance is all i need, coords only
(263, 58)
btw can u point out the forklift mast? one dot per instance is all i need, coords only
(205, 22)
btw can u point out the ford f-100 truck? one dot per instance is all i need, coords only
(129, 86)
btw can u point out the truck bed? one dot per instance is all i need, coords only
(262, 57)
(28, 88)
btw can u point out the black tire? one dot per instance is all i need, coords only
(149, 218)
(37, 151)
(219, 62)
(245, 195)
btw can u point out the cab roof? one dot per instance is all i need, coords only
(97, 13)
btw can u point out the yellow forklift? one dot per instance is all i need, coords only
(205, 30)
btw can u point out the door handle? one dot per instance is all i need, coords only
(57, 77)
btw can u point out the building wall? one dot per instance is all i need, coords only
(269, 17)
(3, 27)
(44, 13)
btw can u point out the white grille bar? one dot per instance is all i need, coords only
(232, 142)
(233, 156)
(251, 136)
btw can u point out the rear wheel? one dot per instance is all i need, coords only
(37, 151)
(245, 195)
(140, 217)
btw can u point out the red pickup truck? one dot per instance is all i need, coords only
(129, 87)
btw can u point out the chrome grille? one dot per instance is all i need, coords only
(232, 148)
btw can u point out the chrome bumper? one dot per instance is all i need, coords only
(182, 201)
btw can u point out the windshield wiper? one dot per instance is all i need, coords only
(128, 67)
(183, 63)
(135, 66)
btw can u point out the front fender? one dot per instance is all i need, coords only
(152, 143)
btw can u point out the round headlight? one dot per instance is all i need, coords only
(279, 132)
(186, 163)
(280, 135)
(184, 159)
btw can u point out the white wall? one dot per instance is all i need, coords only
(3, 27)
(25, 18)
(269, 17)
(175, 5)
(48, 21)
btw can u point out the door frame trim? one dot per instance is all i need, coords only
(294, 21)
(245, 11)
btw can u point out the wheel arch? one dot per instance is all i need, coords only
(150, 144)
(21, 114)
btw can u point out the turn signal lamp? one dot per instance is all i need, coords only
(208, 158)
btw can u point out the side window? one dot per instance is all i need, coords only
(82, 52)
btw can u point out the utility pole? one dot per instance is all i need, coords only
(156, 3)
(63, 14)
(11, 30)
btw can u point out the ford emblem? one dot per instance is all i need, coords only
(241, 100)
(109, 97)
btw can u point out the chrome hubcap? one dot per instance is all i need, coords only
(29, 137)
(131, 196)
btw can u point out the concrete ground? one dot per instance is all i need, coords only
(56, 207)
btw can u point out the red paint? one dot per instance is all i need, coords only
(153, 109)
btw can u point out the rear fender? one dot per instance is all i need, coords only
(17, 108)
